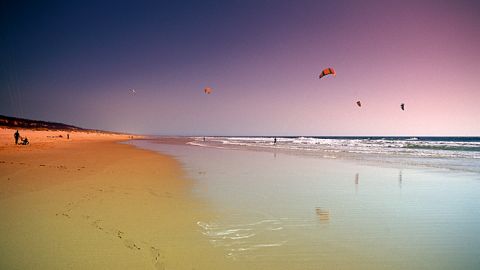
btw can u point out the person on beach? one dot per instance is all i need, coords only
(25, 141)
(68, 136)
(275, 140)
(16, 135)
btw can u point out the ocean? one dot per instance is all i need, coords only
(460, 153)
(336, 202)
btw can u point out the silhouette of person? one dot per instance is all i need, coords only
(274, 140)
(68, 136)
(16, 136)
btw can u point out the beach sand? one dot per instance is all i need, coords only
(92, 203)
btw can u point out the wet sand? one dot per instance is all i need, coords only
(92, 203)
(293, 211)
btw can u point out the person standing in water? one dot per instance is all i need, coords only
(275, 140)
(16, 135)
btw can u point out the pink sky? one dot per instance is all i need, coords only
(261, 59)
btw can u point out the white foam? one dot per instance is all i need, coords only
(385, 148)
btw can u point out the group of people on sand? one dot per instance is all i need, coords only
(23, 141)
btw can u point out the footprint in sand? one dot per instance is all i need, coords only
(130, 244)
(97, 224)
(120, 234)
(153, 193)
(158, 259)
(66, 211)
(64, 214)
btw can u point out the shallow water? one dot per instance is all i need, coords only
(281, 211)
(456, 153)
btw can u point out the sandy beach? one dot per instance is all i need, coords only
(100, 201)
(258, 135)
(91, 202)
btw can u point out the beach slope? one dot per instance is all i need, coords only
(93, 203)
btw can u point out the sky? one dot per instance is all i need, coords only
(75, 61)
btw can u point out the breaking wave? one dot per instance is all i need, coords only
(463, 152)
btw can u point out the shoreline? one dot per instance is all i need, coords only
(372, 159)
(102, 202)
(97, 203)
(291, 212)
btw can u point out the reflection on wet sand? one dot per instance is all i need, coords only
(323, 214)
(297, 212)
(356, 182)
(400, 179)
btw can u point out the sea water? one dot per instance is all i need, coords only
(461, 153)
(286, 208)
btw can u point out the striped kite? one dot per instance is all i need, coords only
(326, 72)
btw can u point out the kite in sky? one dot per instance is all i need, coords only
(208, 90)
(326, 72)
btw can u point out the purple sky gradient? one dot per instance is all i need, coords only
(75, 62)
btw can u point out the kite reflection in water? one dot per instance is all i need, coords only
(323, 214)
